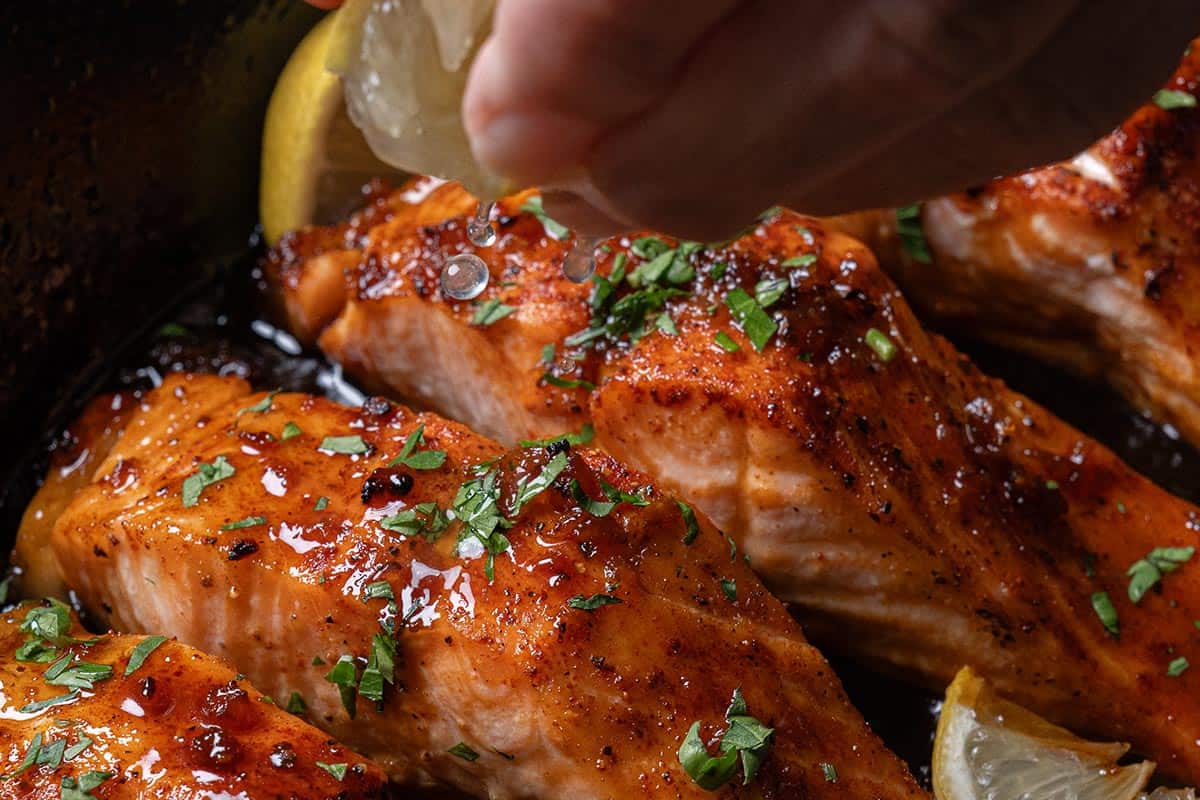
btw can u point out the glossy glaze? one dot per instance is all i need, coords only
(1091, 263)
(587, 704)
(919, 514)
(181, 725)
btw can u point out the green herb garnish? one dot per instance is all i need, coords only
(424, 459)
(829, 771)
(463, 751)
(556, 229)
(245, 522)
(1145, 573)
(491, 311)
(1177, 667)
(81, 788)
(1171, 99)
(912, 237)
(1103, 606)
(290, 429)
(346, 445)
(768, 291)
(878, 341)
(344, 675)
(592, 603)
(585, 436)
(262, 406)
(296, 704)
(746, 737)
(725, 342)
(729, 587)
(805, 260)
(756, 324)
(567, 383)
(336, 770)
(321, 504)
(689, 521)
(423, 519)
(141, 652)
(206, 475)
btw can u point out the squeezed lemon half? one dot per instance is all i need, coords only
(990, 749)
(374, 90)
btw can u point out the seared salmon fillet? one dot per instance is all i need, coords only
(918, 514)
(146, 717)
(532, 623)
(1093, 263)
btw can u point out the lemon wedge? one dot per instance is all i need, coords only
(990, 749)
(404, 66)
(314, 160)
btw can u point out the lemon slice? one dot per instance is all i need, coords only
(314, 160)
(404, 66)
(990, 749)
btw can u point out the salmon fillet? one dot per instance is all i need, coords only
(548, 642)
(159, 719)
(918, 514)
(1092, 263)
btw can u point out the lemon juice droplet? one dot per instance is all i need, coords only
(464, 277)
(479, 229)
(580, 263)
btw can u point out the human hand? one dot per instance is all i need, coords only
(692, 117)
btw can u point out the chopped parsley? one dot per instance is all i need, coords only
(262, 406)
(805, 260)
(692, 528)
(290, 429)
(648, 247)
(746, 737)
(878, 341)
(424, 519)
(1103, 606)
(597, 508)
(74, 750)
(912, 237)
(567, 383)
(718, 270)
(1177, 667)
(768, 291)
(491, 311)
(729, 587)
(756, 324)
(476, 505)
(245, 522)
(336, 770)
(296, 704)
(463, 751)
(31, 757)
(206, 475)
(592, 603)
(80, 675)
(1052, 485)
(528, 488)
(585, 436)
(321, 504)
(725, 342)
(346, 445)
(1145, 573)
(664, 323)
(424, 459)
(556, 229)
(141, 652)
(33, 708)
(344, 675)
(81, 788)
(1171, 99)
(829, 771)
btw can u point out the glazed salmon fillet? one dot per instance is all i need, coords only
(917, 514)
(117, 717)
(533, 623)
(1093, 263)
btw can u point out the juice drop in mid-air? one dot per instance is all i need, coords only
(580, 263)
(464, 277)
(479, 229)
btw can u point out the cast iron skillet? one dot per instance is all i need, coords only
(127, 246)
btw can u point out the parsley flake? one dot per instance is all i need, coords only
(592, 603)
(463, 751)
(756, 324)
(491, 311)
(423, 519)
(1145, 573)
(729, 587)
(424, 459)
(290, 429)
(206, 475)
(338, 771)
(1107, 612)
(912, 237)
(585, 436)
(245, 522)
(689, 521)
(262, 406)
(746, 737)
(878, 341)
(346, 445)
(829, 771)
(725, 342)
(141, 652)
(1177, 667)
(556, 229)
(1171, 99)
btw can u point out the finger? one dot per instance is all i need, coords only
(553, 75)
(580, 215)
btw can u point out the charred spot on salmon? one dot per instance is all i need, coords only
(242, 548)
(388, 482)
